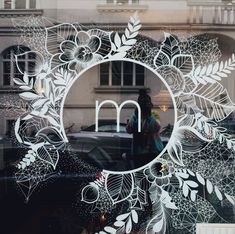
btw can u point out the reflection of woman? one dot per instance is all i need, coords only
(148, 141)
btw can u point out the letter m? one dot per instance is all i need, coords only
(118, 110)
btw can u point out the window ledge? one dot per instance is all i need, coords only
(117, 89)
(19, 12)
(9, 89)
(119, 8)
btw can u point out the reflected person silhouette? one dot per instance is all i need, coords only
(147, 144)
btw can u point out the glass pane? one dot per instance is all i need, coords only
(21, 66)
(6, 79)
(127, 73)
(20, 4)
(10, 127)
(104, 79)
(31, 55)
(7, 54)
(6, 67)
(31, 67)
(122, 1)
(116, 73)
(7, 4)
(32, 4)
(139, 75)
(104, 68)
(104, 74)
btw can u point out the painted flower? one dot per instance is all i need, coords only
(159, 172)
(173, 77)
(80, 51)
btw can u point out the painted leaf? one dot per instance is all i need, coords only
(191, 184)
(124, 48)
(190, 172)
(49, 155)
(130, 42)
(90, 193)
(119, 186)
(17, 126)
(51, 135)
(199, 140)
(128, 226)
(29, 96)
(170, 46)
(190, 84)
(161, 59)
(214, 100)
(209, 186)
(171, 205)
(218, 193)
(200, 179)
(158, 226)
(183, 175)
(118, 56)
(134, 216)
(193, 195)
(110, 230)
(119, 223)
(141, 195)
(117, 40)
(133, 35)
(39, 103)
(52, 121)
(186, 104)
(18, 81)
(26, 88)
(230, 199)
(185, 190)
(184, 63)
(175, 152)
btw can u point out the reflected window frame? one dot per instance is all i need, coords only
(106, 77)
(9, 69)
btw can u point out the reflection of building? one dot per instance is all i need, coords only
(117, 81)
(180, 17)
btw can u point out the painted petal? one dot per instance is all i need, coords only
(67, 46)
(96, 58)
(79, 67)
(94, 44)
(67, 56)
(72, 66)
(82, 38)
(59, 32)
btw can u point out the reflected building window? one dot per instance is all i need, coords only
(120, 2)
(10, 70)
(18, 4)
(122, 73)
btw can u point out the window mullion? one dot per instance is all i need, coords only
(12, 67)
(26, 62)
(133, 75)
(110, 73)
(27, 4)
(13, 4)
(122, 73)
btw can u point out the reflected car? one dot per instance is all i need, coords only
(114, 143)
